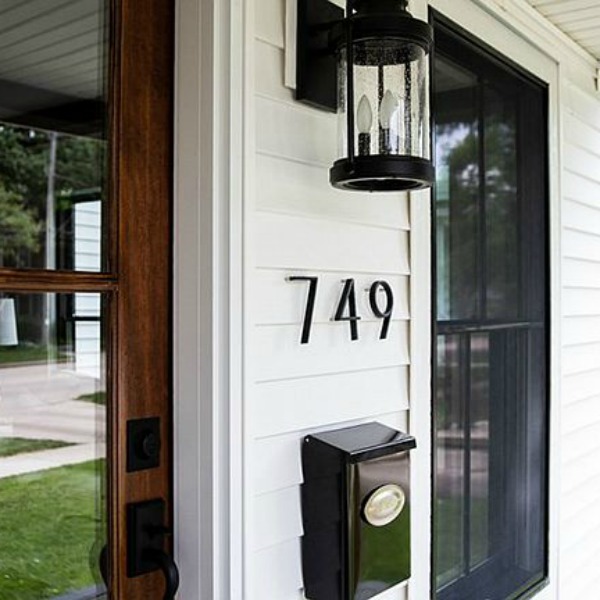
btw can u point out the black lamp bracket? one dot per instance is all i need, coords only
(316, 68)
(322, 27)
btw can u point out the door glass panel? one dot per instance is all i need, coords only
(52, 134)
(52, 445)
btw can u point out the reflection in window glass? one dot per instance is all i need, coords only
(457, 187)
(52, 445)
(52, 134)
(501, 206)
(479, 459)
(450, 461)
(491, 404)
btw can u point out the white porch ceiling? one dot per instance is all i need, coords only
(579, 19)
(55, 46)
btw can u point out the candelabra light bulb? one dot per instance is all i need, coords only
(364, 117)
(388, 109)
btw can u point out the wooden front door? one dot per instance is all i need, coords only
(86, 106)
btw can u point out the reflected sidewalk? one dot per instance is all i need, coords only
(39, 402)
(32, 462)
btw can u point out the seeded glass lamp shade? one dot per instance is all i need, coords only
(383, 124)
(8, 323)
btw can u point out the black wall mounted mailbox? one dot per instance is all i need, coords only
(356, 512)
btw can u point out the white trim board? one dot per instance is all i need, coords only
(207, 297)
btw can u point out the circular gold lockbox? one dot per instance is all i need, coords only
(384, 505)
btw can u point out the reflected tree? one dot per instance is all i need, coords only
(19, 229)
(34, 176)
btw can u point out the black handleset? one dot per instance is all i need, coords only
(146, 528)
(146, 533)
(169, 569)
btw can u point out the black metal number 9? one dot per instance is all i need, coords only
(386, 314)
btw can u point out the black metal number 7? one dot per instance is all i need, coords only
(310, 305)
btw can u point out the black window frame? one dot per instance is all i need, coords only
(446, 28)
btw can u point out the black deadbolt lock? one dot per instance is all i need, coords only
(143, 444)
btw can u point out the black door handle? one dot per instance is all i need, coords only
(158, 557)
(103, 560)
(146, 533)
(168, 567)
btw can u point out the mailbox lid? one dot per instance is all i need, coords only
(366, 441)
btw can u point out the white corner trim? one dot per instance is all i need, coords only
(420, 393)
(291, 27)
(555, 151)
(208, 296)
(192, 510)
(420, 380)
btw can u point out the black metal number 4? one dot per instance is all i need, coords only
(348, 299)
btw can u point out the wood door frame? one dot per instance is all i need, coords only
(141, 169)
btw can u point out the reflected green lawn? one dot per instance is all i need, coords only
(11, 446)
(29, 353)
(49, 524)
(448, 519)
(386, 551)
(94, 398)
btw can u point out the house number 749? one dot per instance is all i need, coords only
(346, 308)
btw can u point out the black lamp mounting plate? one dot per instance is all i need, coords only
(316, 69)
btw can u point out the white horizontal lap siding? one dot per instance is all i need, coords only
(299, 225)
(88, 235)
(580, 420)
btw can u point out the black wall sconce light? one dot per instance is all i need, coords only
(369, 63)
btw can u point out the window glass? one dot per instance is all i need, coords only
(479, 459)
(456, 191)
(501, 204)
(450, 461)
(491, 406)
(52, 446)
(52, 134)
